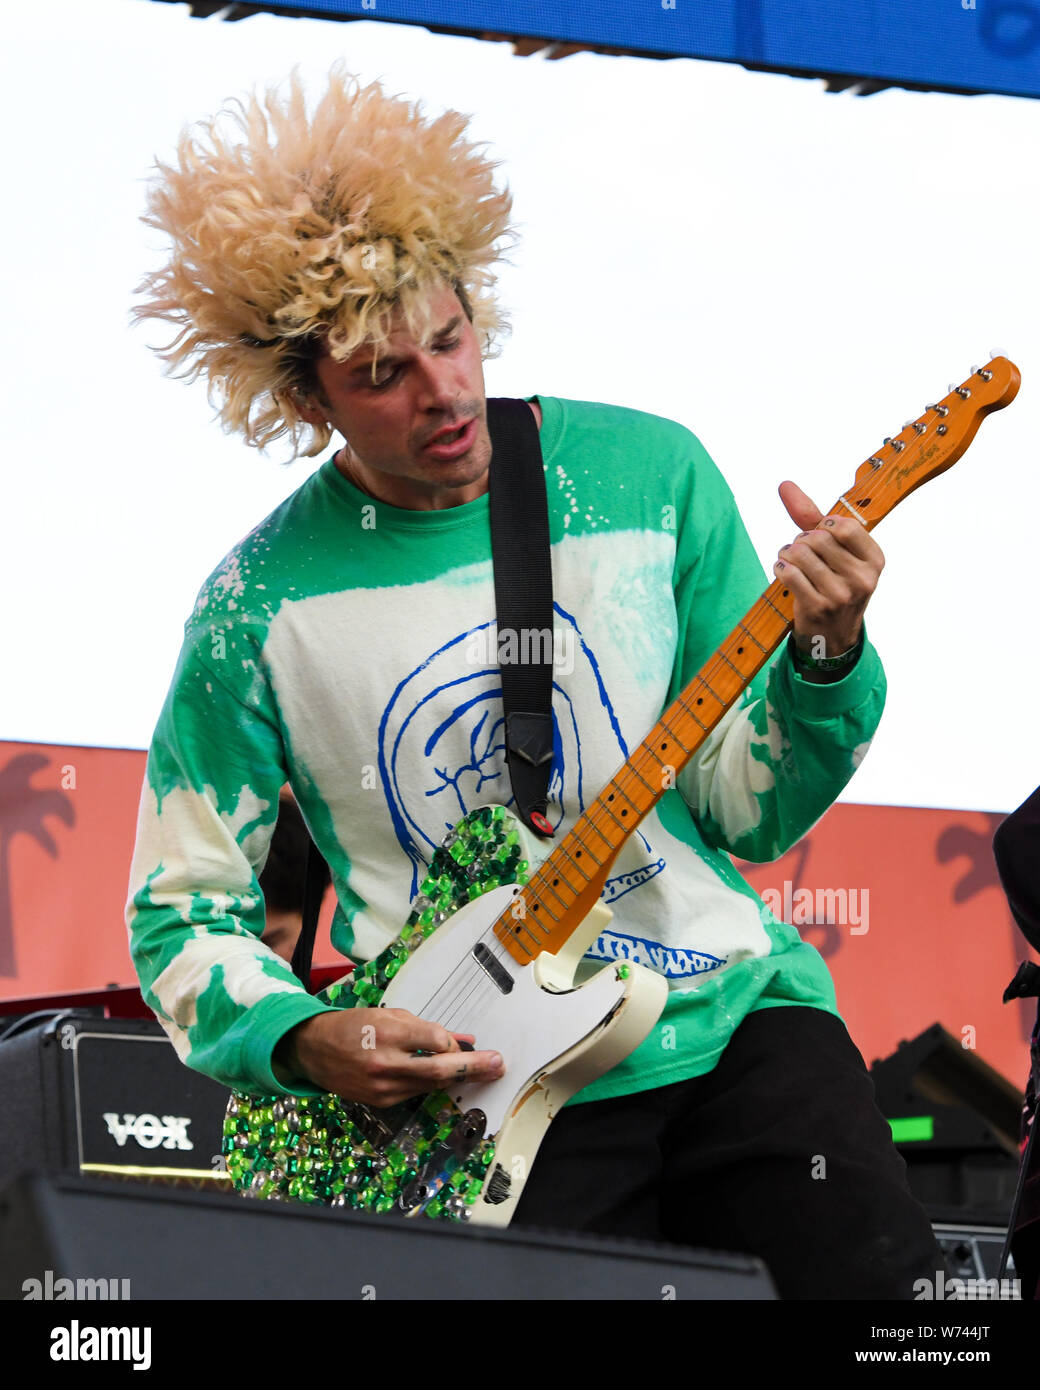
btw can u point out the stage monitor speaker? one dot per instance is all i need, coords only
(955, 1120)
(81, 1093)
(171, 1243)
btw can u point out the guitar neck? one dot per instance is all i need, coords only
(561, 893)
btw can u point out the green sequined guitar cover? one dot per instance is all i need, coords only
(424, 1156)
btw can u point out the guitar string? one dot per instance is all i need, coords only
(466, 1006)
(448, 1010)
(472, 973)
(496, 949)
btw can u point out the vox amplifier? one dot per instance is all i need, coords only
(81, 1093)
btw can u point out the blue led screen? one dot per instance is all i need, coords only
(975, 45)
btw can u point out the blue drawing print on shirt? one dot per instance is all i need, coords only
(414, 729)
(675, 962)
(621, 884)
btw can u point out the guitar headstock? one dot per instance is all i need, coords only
(929, 445)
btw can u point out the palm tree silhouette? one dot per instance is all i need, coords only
(23, 808)
(960, 841)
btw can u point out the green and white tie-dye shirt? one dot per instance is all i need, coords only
(340, 647)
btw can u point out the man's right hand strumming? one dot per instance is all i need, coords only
(369, 1055)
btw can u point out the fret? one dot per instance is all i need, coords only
(700, 701)
(776, 610)
(662, 725)
(662, 763)
(566, 852)
(623, 822)
(605, 838)
(552, 888)
(751, 635)
(539, 903)
(586, 820)
(648, 785)
(729, 663)
(510, 936)
(612, 816)
(682, 701)
(525, 926)
(621, 791)
(545, 928)
(524, 919)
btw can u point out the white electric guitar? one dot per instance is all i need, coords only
(491, 948)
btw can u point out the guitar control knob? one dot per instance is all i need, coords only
(468, 1133)
(413, 1195)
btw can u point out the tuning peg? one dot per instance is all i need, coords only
(996, 352)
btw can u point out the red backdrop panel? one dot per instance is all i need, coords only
(939, 944)
(67, 822)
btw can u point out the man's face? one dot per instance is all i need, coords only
(420, 389)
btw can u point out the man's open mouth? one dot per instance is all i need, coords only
(457, 441)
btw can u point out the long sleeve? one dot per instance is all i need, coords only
(196, 912)
(781, 756)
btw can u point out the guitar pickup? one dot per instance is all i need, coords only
(492, 967)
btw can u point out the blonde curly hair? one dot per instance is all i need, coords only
(304, 235)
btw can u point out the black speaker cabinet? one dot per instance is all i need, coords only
(156, 1242)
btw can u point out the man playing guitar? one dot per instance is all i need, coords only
(329, 275)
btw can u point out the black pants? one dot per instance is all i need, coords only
(779, 1152)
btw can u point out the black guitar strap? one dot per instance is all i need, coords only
(519, 514)
(523, 602)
